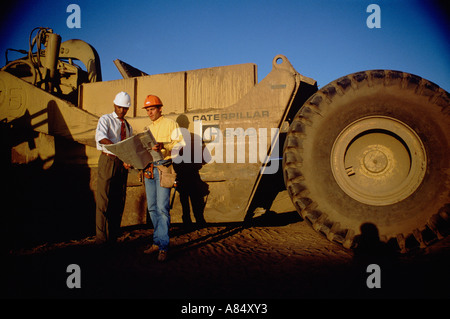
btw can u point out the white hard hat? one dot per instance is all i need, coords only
(122, 99)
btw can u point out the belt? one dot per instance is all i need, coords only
(148, 171)
(110, 155)
(163, 162)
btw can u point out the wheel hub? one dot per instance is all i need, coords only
(375, 161)
(378, 160)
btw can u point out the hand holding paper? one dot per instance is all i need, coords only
(138, 150)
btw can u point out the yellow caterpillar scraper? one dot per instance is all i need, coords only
(370, 148)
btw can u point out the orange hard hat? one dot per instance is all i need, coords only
(152, 100)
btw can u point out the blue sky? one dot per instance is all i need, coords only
(323, 39)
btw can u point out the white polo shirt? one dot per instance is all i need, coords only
(109, 127)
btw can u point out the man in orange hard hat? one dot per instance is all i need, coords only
(167, 134)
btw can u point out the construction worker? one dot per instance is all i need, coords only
(167, 134)
(112, 172)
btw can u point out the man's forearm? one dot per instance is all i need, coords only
(105, 141)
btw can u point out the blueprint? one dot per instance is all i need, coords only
(136, 150)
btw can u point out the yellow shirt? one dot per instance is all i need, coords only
(166, 131)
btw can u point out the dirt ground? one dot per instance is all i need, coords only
(277, 257)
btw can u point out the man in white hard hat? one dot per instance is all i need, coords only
(112, 172)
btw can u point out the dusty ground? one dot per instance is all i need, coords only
(279, 256)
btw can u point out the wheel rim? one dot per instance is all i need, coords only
(378, 160)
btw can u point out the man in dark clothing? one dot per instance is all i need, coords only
(112, 172)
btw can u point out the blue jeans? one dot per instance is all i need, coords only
(158, 205)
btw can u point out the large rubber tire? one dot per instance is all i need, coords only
(372, 147)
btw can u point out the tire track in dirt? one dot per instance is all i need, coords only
(218, 261)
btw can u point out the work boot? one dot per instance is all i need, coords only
(162, 256)
(153, 248)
